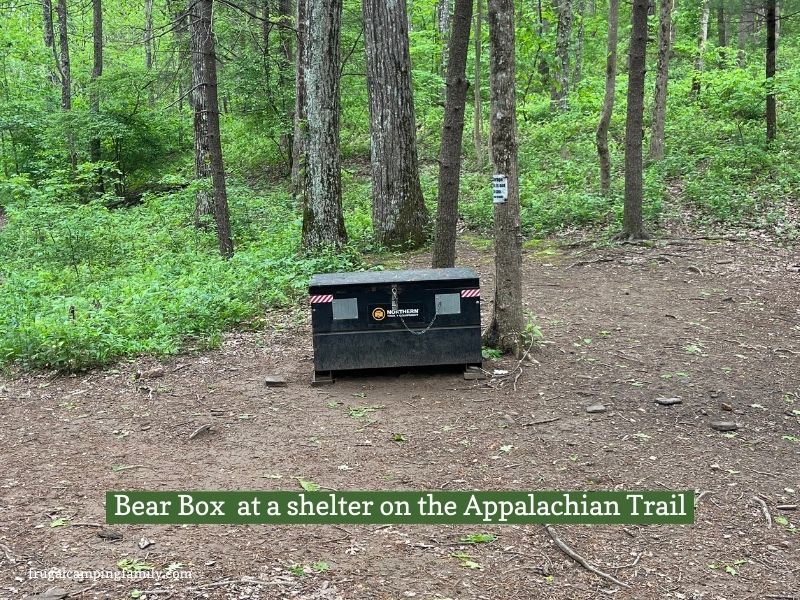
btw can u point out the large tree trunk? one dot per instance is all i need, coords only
(203, 38)
(632, 225)
(507, 322)
(563, 34)
(323, 223)
(47, 22)
(580, 36)
(202, 159)
(399, 215)
(298, 138)
(97, 71)
(662, 78)
(699, 63)
(444, 248)
(772, 122)
(608, 99)
(477, 113)
(148, 48)
(66, 77)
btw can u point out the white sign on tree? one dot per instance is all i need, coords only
(499, 189)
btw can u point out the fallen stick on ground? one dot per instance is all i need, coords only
(765, 510)
(579, 559)
(541, 422)
(583, 263)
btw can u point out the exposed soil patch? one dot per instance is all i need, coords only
(714, 323)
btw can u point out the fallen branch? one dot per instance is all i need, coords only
(765, 510)
(579, 559)
(583, 263)
(541, 422)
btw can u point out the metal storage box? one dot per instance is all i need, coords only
(381, 319)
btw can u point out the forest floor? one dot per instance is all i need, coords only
(713, 322)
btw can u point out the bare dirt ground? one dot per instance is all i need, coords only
(714, 323)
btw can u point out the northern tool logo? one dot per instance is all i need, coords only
(379, 314)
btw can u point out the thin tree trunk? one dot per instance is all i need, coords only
(148, 48)
(608, 99)
(662, 79)
(742, 33)
(722, 24)
(699, 63)
(66, 78)
(47, 22)
(632, 225)
(507, 322)
(443, 27)
(477, 115)
(266, 31)
(97, 71)
(202, 158)
(298, 138)
(202, 31)
(285, 36)
(542, 27)
(563, 34)
(444, 248)
(399, 215)
(285, 59)
(577, 74)
(772, 122)
(323, 222)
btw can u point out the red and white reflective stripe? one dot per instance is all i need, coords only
(321, 299)
(476, 293)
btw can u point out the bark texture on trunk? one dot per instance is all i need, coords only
(399, 215)
(47, 22)
(608, 98)
(97, 71)
(772, 117)
(722, 27)
(632, 225)
(66, 76)
(298, 138)
(219, 206)
(662, 79)
(323, 222)
(700, 61)
(202, 159)
(506, 326)
(477, 116)
(563, 35)
(444, 248)
(580, 36)
(443, 26)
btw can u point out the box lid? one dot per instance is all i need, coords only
(406, 276)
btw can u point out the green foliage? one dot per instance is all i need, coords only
(83, 285)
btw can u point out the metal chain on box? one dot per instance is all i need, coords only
(396, 307)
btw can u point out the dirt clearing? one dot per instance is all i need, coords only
(714, 323)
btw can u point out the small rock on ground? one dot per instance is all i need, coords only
(596, 408)
(668, 401)
(724, 425)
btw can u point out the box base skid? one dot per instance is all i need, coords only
(321, 378)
